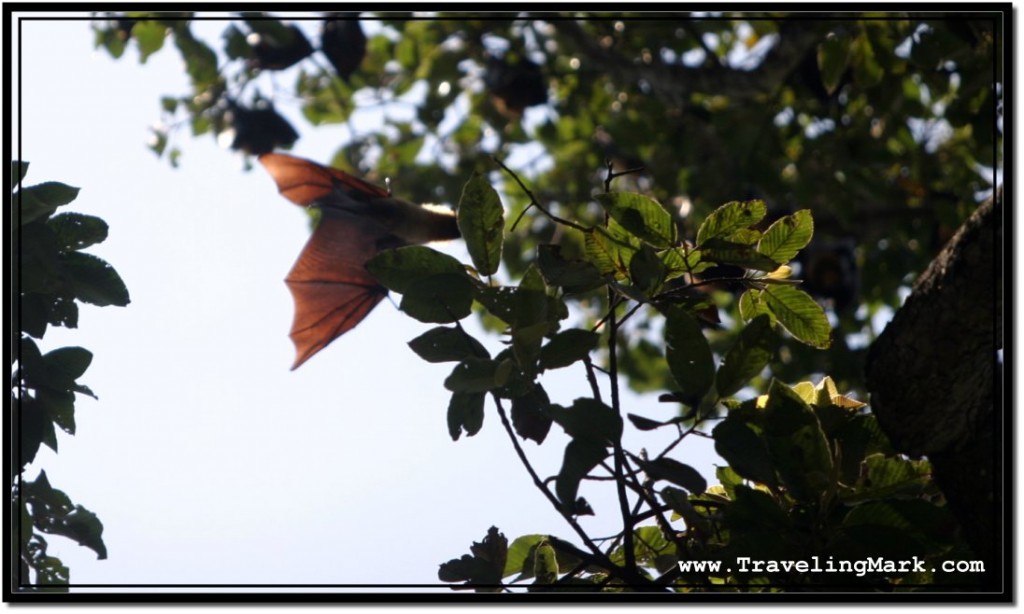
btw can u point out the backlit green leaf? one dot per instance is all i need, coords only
(399, 269)
(481, 222)
(787, 236)
(799, 314)
(641, 216)
(729, 218)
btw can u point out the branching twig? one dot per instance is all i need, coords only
(534, 203)
(613, 175)
(627, 575)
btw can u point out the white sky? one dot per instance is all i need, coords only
(206, 459)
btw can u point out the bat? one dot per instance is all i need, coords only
(329, 283)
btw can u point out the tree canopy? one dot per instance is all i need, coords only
(669, 178)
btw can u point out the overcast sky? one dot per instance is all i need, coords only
(206, 459)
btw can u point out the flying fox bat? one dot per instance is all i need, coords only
(329, 283)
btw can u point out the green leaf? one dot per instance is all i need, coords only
(93, 280)
(641, 216)
(531, 415)
(610, 249)
(483, 567)
(59, 406)
(43, 199)
(474, 375)
(833, 58)
(465, 413)
(75, 231)
(545, 564)
(534, 315)
(752, 304)
(518, 558)
(676, 472)
(652, 548)
(399, 269)
(54, 513)
(688, 355)
(19, 169)
(589, 420)
(581, 455)
(112, 39)
(69, 362)
(498, 301)
(736, 254)
(743, 448)
(443, 344)
(481, 222)
(681, 260)
(200, 60)
(747, 357)
(729, 480)
(787, 236)
(439, 298)
(799, 314)
(572, 276)
(754, 509)
(150, 35)
(567, 347)
(729, 218)
(647, 271)
(797, 443)
(866, 70)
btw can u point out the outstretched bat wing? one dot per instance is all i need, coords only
(329, 283)
(305, 182)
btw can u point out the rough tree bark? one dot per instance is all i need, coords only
(934, 378)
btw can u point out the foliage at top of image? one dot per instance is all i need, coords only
(886, 126)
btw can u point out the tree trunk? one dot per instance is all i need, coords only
(935, 380)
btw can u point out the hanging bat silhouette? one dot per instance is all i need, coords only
(331, 287)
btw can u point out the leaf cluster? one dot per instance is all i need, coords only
(52, 275)
(795, 454)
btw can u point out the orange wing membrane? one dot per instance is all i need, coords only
(305, 182)
(329, 283)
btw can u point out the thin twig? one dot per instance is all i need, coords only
(627, 575)
(612, 175)
(592, 378)
(619, 456)
(534, 203)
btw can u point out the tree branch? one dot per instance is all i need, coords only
(627, 575)
(674, 83)
(935, 381)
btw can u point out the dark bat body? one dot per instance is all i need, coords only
(329, 283)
